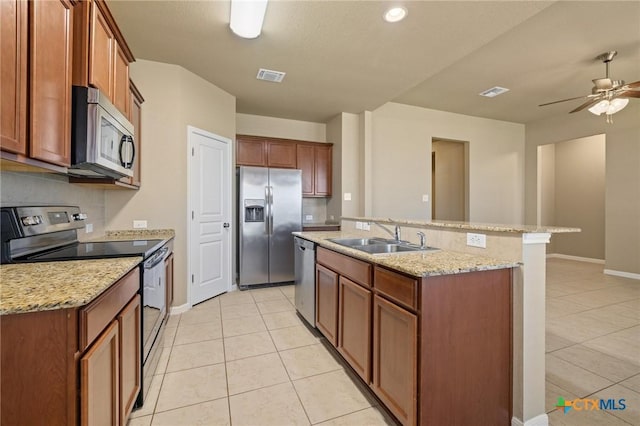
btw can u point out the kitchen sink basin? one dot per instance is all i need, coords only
(391, 248)
(353, 242)
(379, 245)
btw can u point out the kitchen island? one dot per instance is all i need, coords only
(522, 246)
(428, 331)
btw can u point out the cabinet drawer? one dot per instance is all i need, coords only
(98, 314)
(354, 269)
(399, 288)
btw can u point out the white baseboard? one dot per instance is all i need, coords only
(541, 420)
(622, 274)
(576, 258)
(175, 310)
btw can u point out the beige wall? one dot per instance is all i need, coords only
(578, 190)
(401, 163)
(334, 134)
(174, 99)
(622, 176)
(449, 196)
(547, 191)
(20, 188)
(248, 124)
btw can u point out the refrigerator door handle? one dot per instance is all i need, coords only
(271, 210)
(267, 213)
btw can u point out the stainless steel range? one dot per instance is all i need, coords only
(49, 234)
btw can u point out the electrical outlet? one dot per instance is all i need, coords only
(88, 228)
(425, 198)
(359, 225)
(308, 217)
(366, 226)
(476, 240)
(139, 224)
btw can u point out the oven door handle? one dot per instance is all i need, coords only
(156, 258)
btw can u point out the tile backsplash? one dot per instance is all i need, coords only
(23, 188)
(316, 207)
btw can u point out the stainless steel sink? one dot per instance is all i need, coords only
(379, 245)
(392, 248)
(353, 242)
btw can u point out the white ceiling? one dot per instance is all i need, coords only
(340, 56)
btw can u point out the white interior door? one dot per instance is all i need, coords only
(209, 215)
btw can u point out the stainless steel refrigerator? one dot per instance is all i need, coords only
(270, 210)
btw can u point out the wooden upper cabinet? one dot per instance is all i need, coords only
(135, 116)
(13, 78)
(250, 151)
(322, 173)
(315, 162)
(306, 163)
(281, 154)
(121, 92)
(51, 38)
(101, 54)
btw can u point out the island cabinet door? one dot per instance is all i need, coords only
(130, 357)
(99, 380)
(354, 330)
(395, 354)
(327, 303)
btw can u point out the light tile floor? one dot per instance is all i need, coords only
(245, 358)
(593, 342)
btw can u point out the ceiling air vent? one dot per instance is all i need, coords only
(270, 75)
(493, 92)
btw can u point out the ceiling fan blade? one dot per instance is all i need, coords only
(587, 104)
(569, 99)
(603, 83)
(629, 94)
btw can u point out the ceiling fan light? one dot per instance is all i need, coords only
(247, 17)
(600, 108)
(616, 105)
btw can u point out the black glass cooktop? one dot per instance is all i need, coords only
(98, 250)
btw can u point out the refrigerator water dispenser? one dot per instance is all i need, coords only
(254, 210)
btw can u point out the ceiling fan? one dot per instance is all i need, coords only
(607, 96)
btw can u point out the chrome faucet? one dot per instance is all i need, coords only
(422, 239)
(396, 234)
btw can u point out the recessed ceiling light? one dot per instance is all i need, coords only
(493, 92)
(395, 14)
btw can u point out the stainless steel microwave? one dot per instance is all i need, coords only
(101, 137)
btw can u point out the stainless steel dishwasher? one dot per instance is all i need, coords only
(305, 279)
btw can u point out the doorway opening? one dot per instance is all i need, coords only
(449, 180)
(571, 193)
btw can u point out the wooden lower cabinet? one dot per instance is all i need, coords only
(100, 380)
(130, 362)
(395, 359)
(73, 366)
(435, 350)
(327, 303)
(354, 331)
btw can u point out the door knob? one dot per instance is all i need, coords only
(225, 225)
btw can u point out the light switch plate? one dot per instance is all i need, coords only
(359, 225)
(308, 217)
(366, 226)
(425, 198)
(88, 228)
(139, 224)
(347, 196)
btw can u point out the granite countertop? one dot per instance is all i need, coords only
(469, 226)
(137, 234)
(45, 286)
(418, 264)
